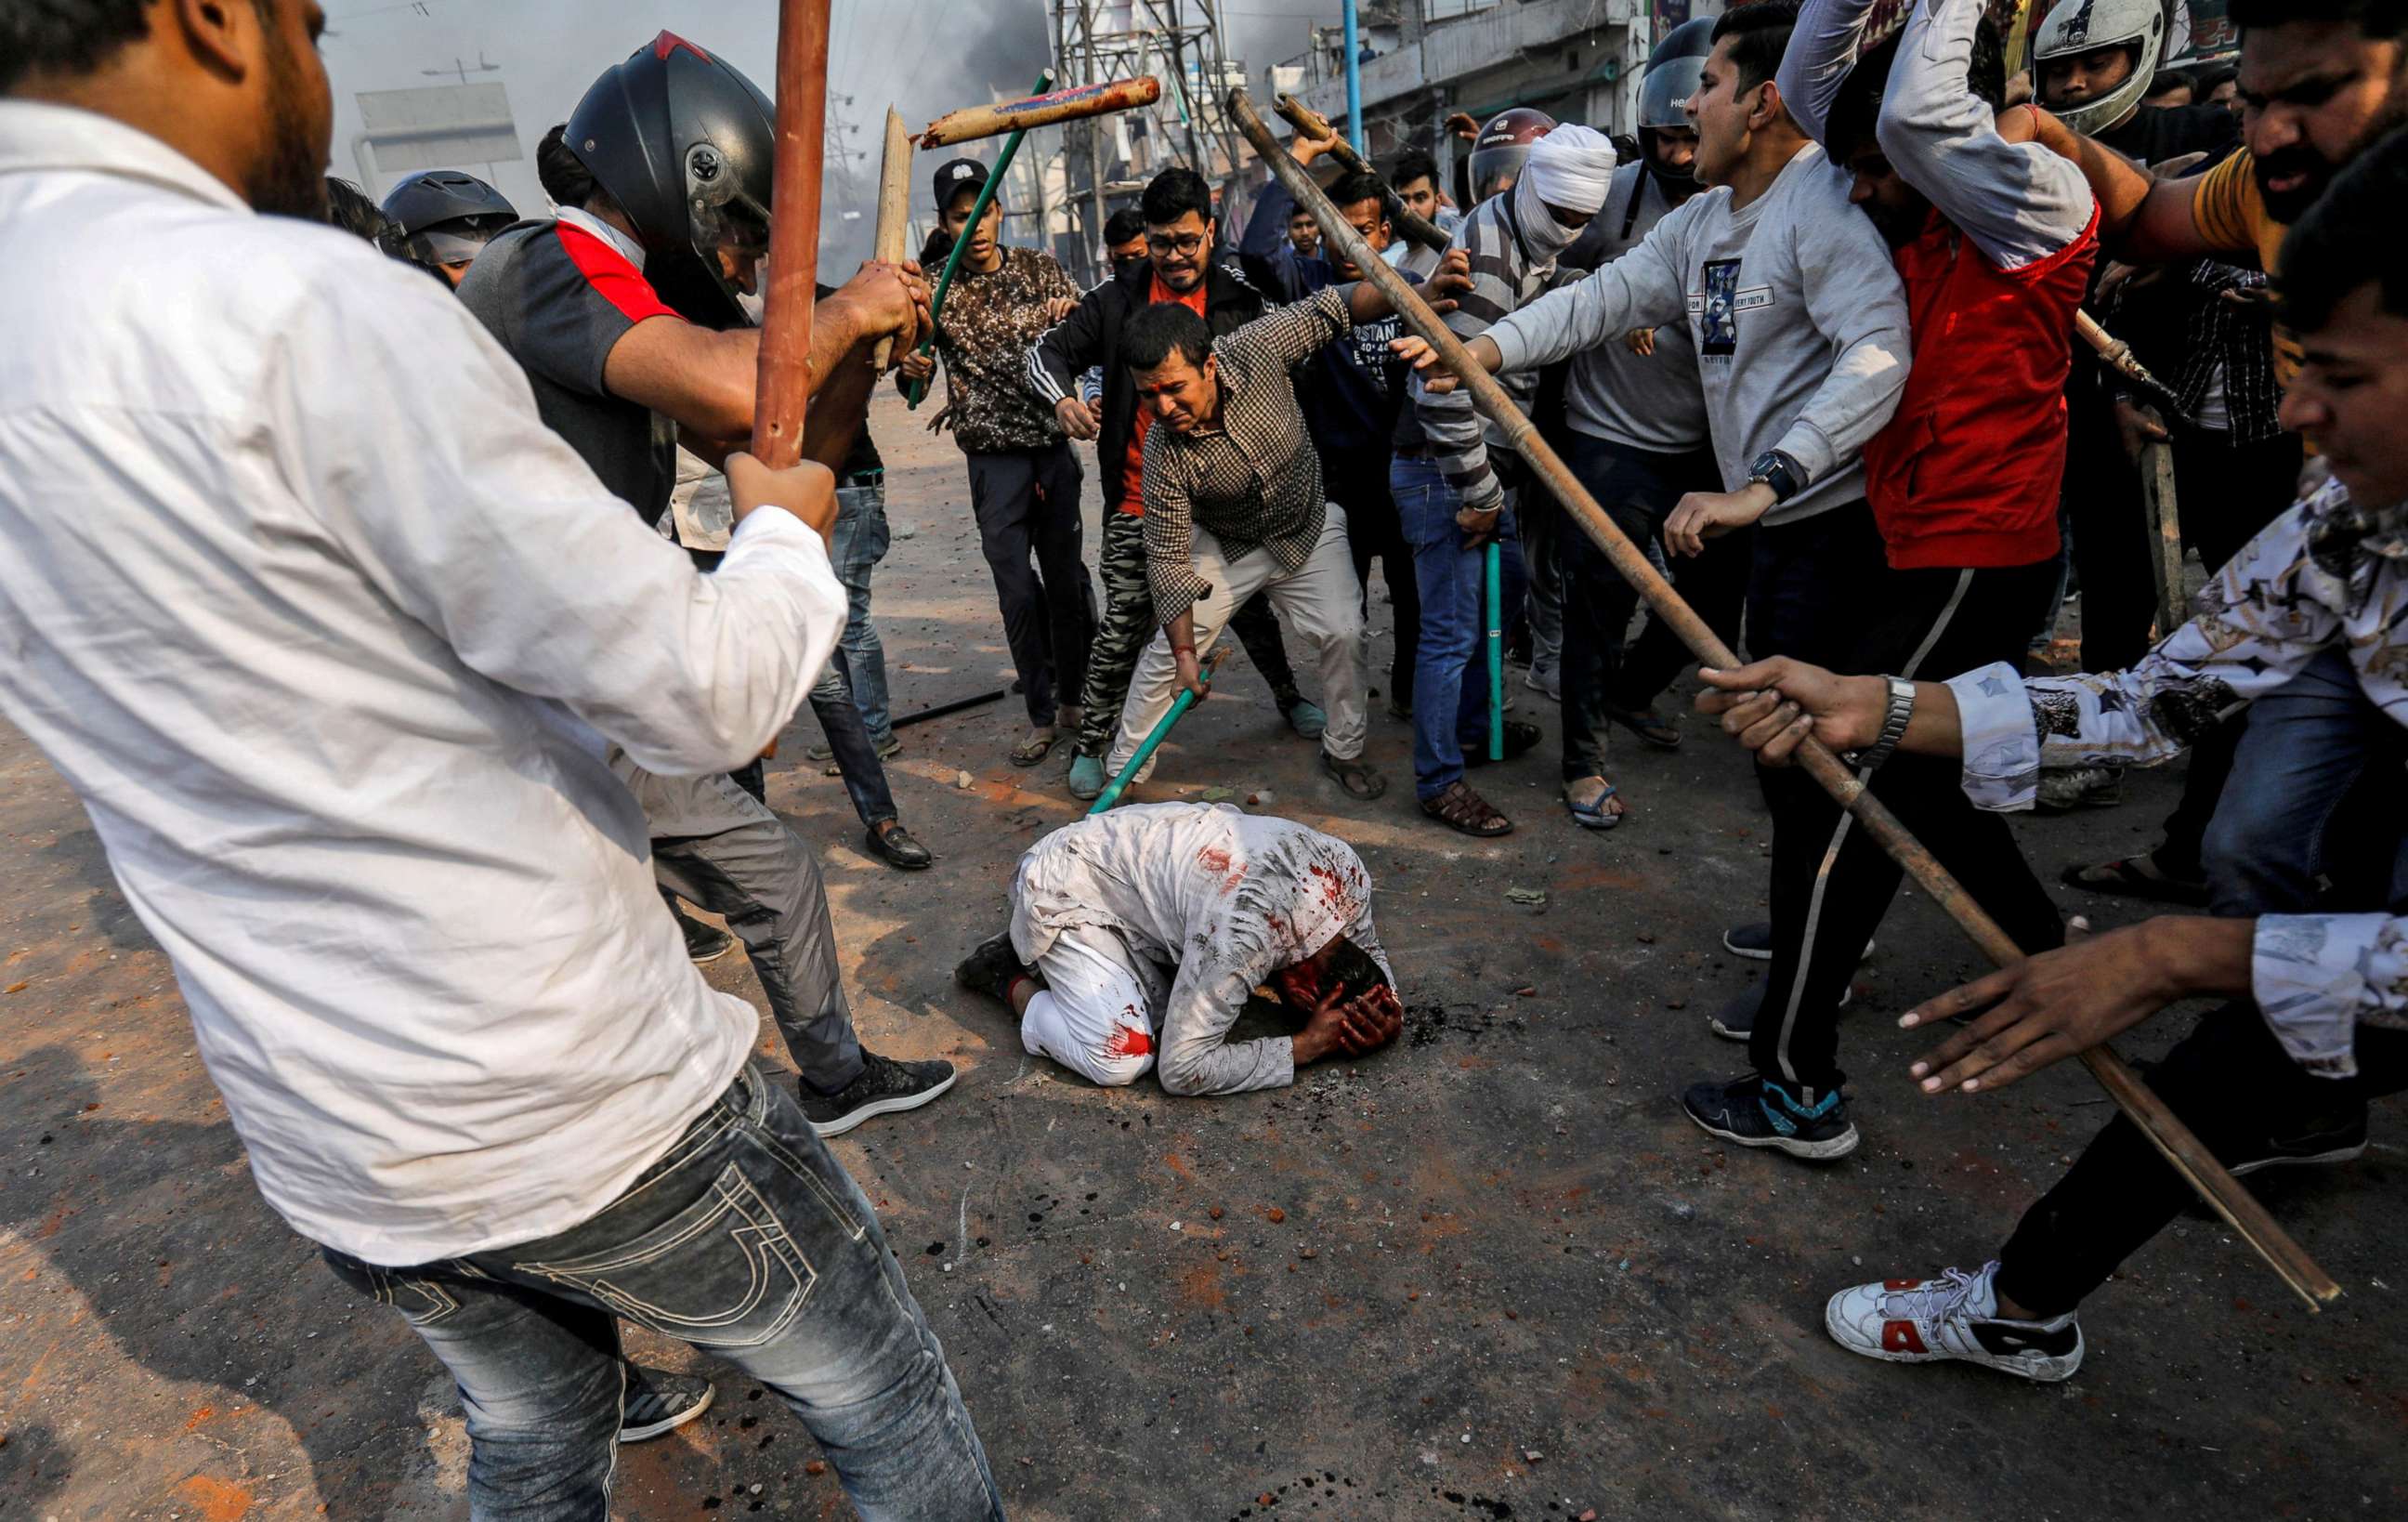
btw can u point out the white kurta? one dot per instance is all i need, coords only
(1223, 898)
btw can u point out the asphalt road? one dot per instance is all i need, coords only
(1491, 1272)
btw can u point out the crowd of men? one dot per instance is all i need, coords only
(409, 740)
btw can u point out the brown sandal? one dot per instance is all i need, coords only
(1462, 810)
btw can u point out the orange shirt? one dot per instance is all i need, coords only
(1133, 469)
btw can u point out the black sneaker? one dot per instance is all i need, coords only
(1756, 1112)
(1736, 1020)
(659, 1401)
(703, 942)
(1754, 942)
(990, 968)
(2327, 1141)
(1520, 740)
(882, 1087)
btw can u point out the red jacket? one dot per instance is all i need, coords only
(1967, 474)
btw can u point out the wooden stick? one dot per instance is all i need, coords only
(2164, 1129)
(890, 246)
(783, 383)
(2117, 355)
(2165, 534)
(1041, 111)
(917, 390)
(1410, 226)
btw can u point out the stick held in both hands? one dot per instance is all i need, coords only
(2164, 1129)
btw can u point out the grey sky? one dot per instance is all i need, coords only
(922, 56)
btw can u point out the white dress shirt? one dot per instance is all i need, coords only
(327, 632)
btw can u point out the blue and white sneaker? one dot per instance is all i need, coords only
(1756, 1112)
(1953, 1316)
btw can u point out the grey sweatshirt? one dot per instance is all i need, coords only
(1797, 313)
(1647, 402)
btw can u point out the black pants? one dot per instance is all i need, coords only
(2112, 552)
(1824, 593)
(1638, 490)
(2233, 1084)
(1027, 504)
(1357, 480)
(2224, 493)
(1716, 584)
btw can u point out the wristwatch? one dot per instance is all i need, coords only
(1778, 471)
(1893, 729)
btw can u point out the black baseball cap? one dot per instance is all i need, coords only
(956, 176)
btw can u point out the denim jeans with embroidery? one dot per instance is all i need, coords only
(746, 1240)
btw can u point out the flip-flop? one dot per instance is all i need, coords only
(1593, 815)
(1035, 749)
(2135, 876)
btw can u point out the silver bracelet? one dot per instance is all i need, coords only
(1901, 709)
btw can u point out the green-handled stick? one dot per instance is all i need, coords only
(1495, 556)
(1185, 700)
(977, 212)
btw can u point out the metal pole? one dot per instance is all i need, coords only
(1494, 564)
(2165, 1131)
(1354, 84)
(1179, 706)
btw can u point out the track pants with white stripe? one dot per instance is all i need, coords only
(1823, 591)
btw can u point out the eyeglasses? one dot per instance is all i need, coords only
(1185, 243)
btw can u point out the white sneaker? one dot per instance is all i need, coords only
(1954, 1316)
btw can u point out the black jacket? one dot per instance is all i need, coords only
(1091, 336)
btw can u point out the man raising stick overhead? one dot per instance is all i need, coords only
(1143, 931)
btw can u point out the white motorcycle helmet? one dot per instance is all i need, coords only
(2079, 26)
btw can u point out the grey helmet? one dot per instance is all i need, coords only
(445, 216)
(2081, 26)
(1674, 71)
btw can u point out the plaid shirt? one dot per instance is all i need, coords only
(2326, 575)
(1253, 479)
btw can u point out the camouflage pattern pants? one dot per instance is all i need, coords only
(1128, 623)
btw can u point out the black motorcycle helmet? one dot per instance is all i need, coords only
(685, 147)
(1675, 69)
(445, 217)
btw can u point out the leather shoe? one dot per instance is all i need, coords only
(893, 842)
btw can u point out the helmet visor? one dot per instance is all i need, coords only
(1667, 85)
(1494, 169)
(453, 243)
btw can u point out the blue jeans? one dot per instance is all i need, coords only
(1450, 671)
(746, 1240)
(859, 543)
(2304, 749)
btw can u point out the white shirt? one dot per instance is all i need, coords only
(1225, 896)
(321, 623)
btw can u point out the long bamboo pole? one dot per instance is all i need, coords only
(783, 383)
(1410, 226)
(2164, 1129)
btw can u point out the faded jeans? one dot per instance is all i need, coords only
(746, 1240)
(857, 544)
(1451, 669)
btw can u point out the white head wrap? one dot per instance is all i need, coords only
(1570, 169)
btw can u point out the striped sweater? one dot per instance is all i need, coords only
(1513, 264)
